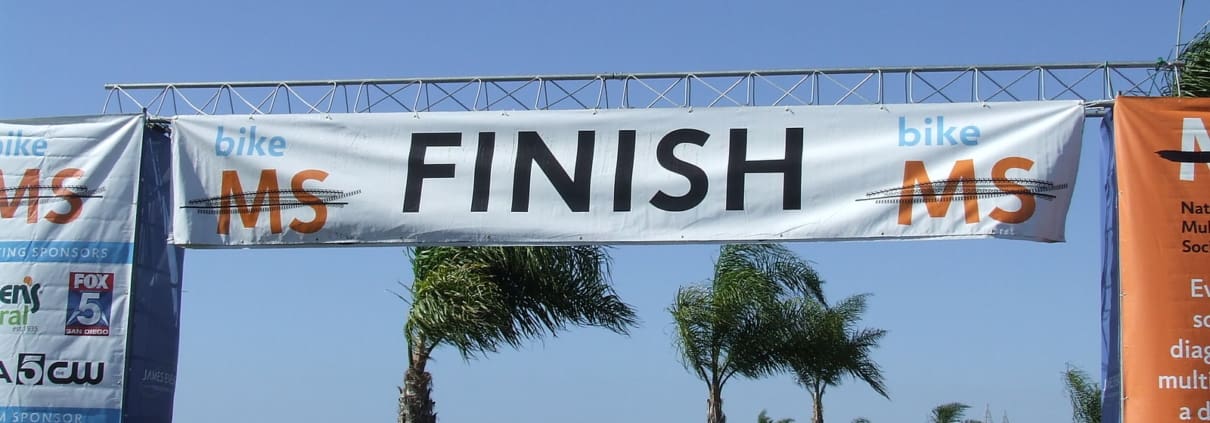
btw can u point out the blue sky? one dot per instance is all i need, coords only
(313, 335)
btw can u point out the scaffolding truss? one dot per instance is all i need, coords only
(1096, 84)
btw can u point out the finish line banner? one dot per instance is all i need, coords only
(67, 218)
(1163, 157)
(1000, 170)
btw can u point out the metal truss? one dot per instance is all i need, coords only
(1094, 83)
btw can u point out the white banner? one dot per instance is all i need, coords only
(67, 215)
(628, 176)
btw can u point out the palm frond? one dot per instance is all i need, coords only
(1085, 396)
(480, 298)
(763, 417)
(1194, 70)
(948, 413)
(692, 315)
(461, 306)
(824, 344)
(730, 325)
(774, 263)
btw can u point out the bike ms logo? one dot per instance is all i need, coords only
(270, 197)
(967, 183)
(89, 297)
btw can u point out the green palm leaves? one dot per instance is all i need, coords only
(728, 326)
(478, 299)
(763, 312)
(763, 417)
(948, 413)
(824, 346)
(1195, 69)
(1085, 396)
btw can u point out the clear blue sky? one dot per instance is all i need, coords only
(312, 335)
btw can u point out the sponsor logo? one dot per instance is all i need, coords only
(159, 380)
(934, 131)
(32, 192)
(1195, 148)
(89, 297)
(18, 302)
(17, 144)
(36, 369)
(245, 143)
(968, 187)
(270, 199)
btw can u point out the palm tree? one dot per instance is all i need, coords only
(729, 325)
(763, 417)
(948, 413)
(1085, 396)
(824, 346)
(1194, 71)
(477, 299)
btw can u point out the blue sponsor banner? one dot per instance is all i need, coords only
(1111, 323)
(65, 252)
(155, 317)
(58, 415)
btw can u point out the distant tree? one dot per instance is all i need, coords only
(763, 417)
(1085, 396)
(1194, 70)
(478, 299)
(731, 325)
(861, 420)
(948, 413)
(824, 346)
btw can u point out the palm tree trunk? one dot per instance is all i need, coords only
(415, 397)
(817, 403)
(714, 405)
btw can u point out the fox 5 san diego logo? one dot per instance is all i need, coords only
(89, 297)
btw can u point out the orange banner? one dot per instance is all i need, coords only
(1163, 154)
